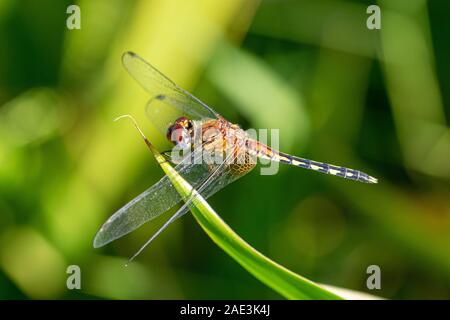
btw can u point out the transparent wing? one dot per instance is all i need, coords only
(218, 171)
(161, 197)
(163, 111)
(164, 90)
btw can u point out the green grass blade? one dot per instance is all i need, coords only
(277, 277)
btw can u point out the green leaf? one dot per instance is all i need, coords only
(280, 279)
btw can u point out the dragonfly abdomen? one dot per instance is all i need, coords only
(326, 168)
(263, 151)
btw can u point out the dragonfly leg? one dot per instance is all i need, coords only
(167, 155)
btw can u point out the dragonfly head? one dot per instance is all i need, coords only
(180, 132)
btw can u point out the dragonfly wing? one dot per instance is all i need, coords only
(220, 177)
(164, 110)
(216, 172)
(153, 202)
(220, 182)
(158, 199)
(162, 88)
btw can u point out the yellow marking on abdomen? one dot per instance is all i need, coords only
(333, 171)
(298, 163)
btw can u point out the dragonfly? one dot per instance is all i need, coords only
(187, 121)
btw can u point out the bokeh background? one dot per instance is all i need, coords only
(376, 100)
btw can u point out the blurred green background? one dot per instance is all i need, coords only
(375, 100)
